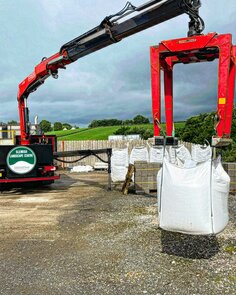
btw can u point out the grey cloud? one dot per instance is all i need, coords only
(114, 82)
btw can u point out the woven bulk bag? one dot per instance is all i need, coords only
(193, 200)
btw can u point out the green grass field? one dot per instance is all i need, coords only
(99, 133)
(65, 133)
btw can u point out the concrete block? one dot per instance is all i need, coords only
(146, 176)
(150, 173)
(232, 186)
(138, 173)
(140, 162)
(231, 173)
(232, 178)
(137, 180)
(157, 165)
(231, 166)
(150, 179)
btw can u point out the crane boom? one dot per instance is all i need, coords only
(111, 30)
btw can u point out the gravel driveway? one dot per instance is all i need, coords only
(77, 238)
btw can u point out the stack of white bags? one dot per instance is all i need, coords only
(192, 192)
(120, 161)
(119, 164)
(139, 154)
(82, 168)
(157, 154)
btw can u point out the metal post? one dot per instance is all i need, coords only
(156, 89)
(168, 81)
(109, 153)
(224, 68)
(230, 100)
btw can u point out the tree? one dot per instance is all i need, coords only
(57, 126)
(148, 133)
(93, 124)
(128, 122)
(45, 126)
(124, 130)
(105, 122)
(67, 126)
(139, 119)
(12, 122)
(127, 130)
(200, 128)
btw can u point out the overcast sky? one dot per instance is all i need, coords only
(111, 83)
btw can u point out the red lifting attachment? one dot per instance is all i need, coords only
(195, 49)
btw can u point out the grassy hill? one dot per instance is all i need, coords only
(99, 133)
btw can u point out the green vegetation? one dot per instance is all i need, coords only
(231, 249)
(102, 133)
(139, 119)
(196, 129)
(105, 123)
(62, 134)
(66, 125)
(57, 126)
(144, 132)
(200, 128)
(45, 126)
(12, 122)
(99, 133)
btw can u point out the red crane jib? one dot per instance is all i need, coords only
(41, 72)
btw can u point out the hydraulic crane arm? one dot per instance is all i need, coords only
(111, 30)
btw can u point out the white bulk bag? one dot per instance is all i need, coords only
(139, 154)
(172, 155)
(193, 200)
(220, 192)
(156, 154)
(118, 173)
(182, 153)
(119, 164)
(201, 153)
(120, 157)
(179, 155)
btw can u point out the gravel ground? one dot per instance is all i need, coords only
(78, 238)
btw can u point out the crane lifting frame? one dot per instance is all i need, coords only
(195, 49)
